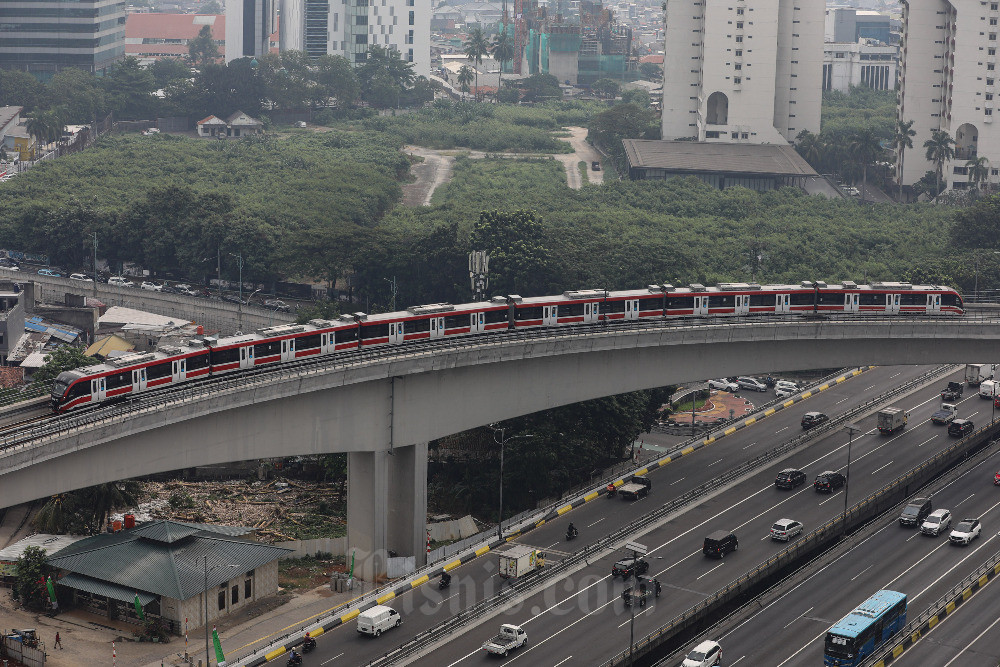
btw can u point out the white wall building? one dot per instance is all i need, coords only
(350, 27)
(742, 72)
(948, 82)
(861, 64)
(249, 24)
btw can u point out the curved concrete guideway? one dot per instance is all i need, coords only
(383, 410)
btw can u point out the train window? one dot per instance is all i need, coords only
(418, 326)
(79, 389)
(831, 299)
(456, 321)
(374, 331)
(759, 300)
(229, 356)
(119, 380)
(571, 310)
(872, 299)
(197, 362)
(651, 304)
(949, 300)
(528, 313)
(721, 300)
(913, 299)
(158, 371)
(347, 335)
(268, 349)
(495, 316)
(680, 302)
(614, 306)
(803, 298)
(307, 342)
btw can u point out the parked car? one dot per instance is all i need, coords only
(828, 481)
(751, 383)
(232, 298)
(119, 281)
(50, 273)
(960, 427)
(966, 531)
(151, 286)
(811, 419)
(595, 165)
(785, 529)
(8, 263)
(81, 277)
(628, 567)
(705, 654)
(184, 288)
(278, 304)
(724, 385)
(936, 522)
(789, 478)
(786, 385)
(784, 392)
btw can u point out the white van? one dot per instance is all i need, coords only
(377, 619)
(987, 389)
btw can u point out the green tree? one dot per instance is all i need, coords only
(651, 71)
(29, 579)
(979, 172)
(606, 88)
(622, 121)
(59, 515)
(65, 358)
(168, 71)
(103, 499)
(80, 95)
(810, 147)
(515, 241)
(338, 79)
(636, 96)
(939, 149)
(22, 90)
(865, 149)
(978, 226)
(203, 50)
(129, 89)
(902, 140)
(210, 7)
(502, 51)
(540, 88)
(465, 77)
(476, 48)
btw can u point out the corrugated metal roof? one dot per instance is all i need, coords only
(51, 543)
(142, 559)
(108, 344)
(108, 590)
(694, 157)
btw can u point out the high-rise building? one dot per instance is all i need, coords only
(947, 82)
(350, 27)
(742, 71)
(249, 24)
(43, 37)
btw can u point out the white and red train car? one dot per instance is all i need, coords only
(205, 356)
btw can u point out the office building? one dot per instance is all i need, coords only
(849, 25)
(249, 24)
(948, 82)
(864, 63)
(742, 71)
(350, 29)
(47, 36)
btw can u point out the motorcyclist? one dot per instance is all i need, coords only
(571, 530)
(445, 580)
(295, 658)
(309, 643)
(611, 489)
(657, 586)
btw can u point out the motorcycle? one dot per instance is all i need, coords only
(445, 582)
(570, 534)
(612, 490)
(308, 645)
(295, 661)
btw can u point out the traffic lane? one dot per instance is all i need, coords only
(968, 636)
(688, 572)
(896, 558)
(427, 606)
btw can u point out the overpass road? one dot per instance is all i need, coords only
(582, 621)
(427, 606)
(900, 559)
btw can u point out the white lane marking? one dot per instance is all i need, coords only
(446, 599)
(885, 466)
(978, 637)
(648, 607)
(842, 400)
(561, 662)
(804, 647)
(737, 660)
(781, 429)
(962, 501)
(798, 617)
(916, 534)
(870, 388)
(861, 572)
(750, 445)
(832, 496)
(711, 571)
(712, 464)
(551, 545)
(927, 440)
(596, 522)
(674, 482)
(331, 659)
(892, 376)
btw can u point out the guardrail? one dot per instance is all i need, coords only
(871, 506)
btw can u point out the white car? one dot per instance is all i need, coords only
(784, 392)
(966, 531)
(152, 287)
(82, 278)
(787, 385)
(936, 522)
(704, 654)
(724, 385)
(118, 281)
(785, 529)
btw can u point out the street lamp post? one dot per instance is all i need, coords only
(850, 428)
(503, 442)
(208, 658)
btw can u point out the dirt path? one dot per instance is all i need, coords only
(582, 151)
(429, 174)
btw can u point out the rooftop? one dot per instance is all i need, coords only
(692, 156)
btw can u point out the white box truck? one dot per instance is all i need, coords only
(976, 373)
(891, 420)
(520, 560)
(988, 388)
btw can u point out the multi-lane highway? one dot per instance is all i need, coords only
(580, 619)
(899, 559)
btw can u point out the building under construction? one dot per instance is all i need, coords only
(578, 49)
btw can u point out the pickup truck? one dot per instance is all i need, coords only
(952, 392)
(636, 488)
(945, 415)
(510, 637)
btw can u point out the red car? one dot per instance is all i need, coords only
(996, 479)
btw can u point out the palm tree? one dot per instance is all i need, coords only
(902, 140)
(502, 50)
(865, 148)
(810, 147)
(979, 171)
(940, 148)
(465, 77)
(475, 49)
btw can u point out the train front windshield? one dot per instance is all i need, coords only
(59, 389)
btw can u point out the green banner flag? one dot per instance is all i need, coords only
(138, 608)
(350, 574)
(220, 658)
(51, 588)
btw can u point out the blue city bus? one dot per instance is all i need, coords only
(859, 633)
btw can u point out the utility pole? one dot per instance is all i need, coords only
(851, 429)
(95, 264)
(392, 284)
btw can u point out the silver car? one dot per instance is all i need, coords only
(785, 529)
(936, 523)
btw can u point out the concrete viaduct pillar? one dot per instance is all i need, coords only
(386, 507)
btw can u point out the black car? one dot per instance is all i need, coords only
(789, 478)
(719, 543)
(952, 392)
(232, 298)
(915, 512)
(811, 419)
(628, 567)
(960, 427)
(829, 481)
(595, 165)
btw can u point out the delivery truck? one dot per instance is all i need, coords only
(519, 560)
(891, 420)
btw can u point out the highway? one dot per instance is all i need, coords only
(685, 574)
(897, 558)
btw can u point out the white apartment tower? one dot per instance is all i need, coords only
(947, 82)
(350, 27)
(747, 71)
